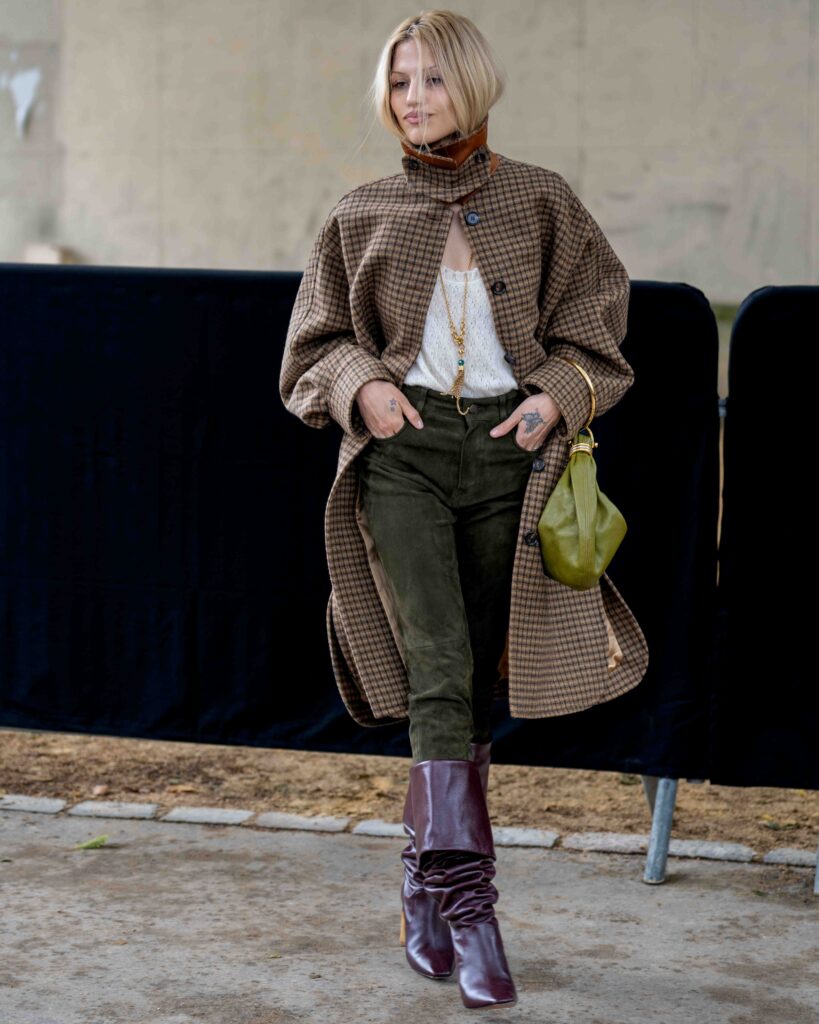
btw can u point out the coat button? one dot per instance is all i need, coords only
(412, 162)
(472, 217)
(538, 465)
(509, 358)
(499, 287)
(531, 538)
(481, 156)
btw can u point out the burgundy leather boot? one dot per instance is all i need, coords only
(456, 859)
(425, 935)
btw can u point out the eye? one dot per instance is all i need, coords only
(430, 81)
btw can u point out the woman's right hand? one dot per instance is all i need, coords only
(383, 408)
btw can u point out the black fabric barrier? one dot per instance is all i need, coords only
(162, 565)
(658, 462)
(162, 557)
(765, 716)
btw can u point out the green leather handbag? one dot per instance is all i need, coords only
(580, 529)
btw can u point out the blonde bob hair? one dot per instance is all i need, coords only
(470, 72)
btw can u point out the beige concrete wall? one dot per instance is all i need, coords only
(218, 133)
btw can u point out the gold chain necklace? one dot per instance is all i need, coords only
(458, 337)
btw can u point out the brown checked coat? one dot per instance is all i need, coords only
(556, 288)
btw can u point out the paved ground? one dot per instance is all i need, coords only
(203, 924)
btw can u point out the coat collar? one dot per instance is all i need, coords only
(451, 167)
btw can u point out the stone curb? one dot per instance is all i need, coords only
(112, 809)
(208, 815)
(599, 842)
(319, 823)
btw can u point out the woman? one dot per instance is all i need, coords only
(431, 324)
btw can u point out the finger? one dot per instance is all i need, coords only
(504, 426)
(411, 412)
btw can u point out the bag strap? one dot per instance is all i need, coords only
(588, 381)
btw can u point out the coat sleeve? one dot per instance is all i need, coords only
(323, 364)
(587, 323)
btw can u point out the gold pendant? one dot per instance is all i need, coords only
(458, 384)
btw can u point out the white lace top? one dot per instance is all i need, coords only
(486, 372)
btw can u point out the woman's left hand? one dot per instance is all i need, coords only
(537, 415)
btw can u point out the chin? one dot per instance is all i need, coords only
(433, 132)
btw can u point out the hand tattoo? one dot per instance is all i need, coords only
(532, 420)
(393, 404)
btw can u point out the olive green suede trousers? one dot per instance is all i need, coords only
(444, 503)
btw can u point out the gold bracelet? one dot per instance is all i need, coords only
(588, 381)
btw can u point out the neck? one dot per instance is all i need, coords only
(449, 151)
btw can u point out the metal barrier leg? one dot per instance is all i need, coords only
(650, 790)
(661, 795)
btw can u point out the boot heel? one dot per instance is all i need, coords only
(402, 938)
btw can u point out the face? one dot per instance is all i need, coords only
(437, 119)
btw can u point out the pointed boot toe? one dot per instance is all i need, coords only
(476, 947)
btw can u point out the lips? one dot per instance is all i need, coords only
(415, 119)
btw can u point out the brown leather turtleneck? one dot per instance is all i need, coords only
(451, 153)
